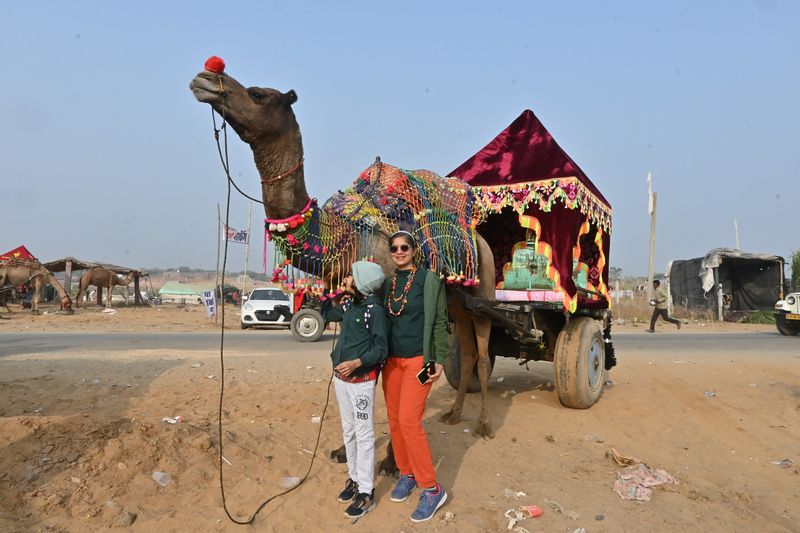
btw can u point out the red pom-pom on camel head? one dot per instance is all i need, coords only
(215, 64)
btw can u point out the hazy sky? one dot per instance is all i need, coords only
(107, 156)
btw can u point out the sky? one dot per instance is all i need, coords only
(106, 156)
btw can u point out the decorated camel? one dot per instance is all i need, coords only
(264, 119)
(102, 278)
(23, 272)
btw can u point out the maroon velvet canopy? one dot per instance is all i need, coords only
(523, 152)
(523, 170)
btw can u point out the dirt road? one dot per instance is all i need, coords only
(81, 432)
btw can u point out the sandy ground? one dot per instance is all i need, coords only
(80, 436)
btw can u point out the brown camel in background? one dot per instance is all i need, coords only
(19, 273)
(102, 278)
(264, 119)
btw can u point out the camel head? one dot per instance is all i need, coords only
(255, 113)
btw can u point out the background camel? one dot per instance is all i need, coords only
(102, 278)
(21, 273)
(264, 119)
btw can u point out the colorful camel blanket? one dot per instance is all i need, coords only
(383, 199)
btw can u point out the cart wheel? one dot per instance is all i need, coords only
(786, 327)
(580, 363)
(307, 325)
(452, 368)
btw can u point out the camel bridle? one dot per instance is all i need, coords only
(223, 155)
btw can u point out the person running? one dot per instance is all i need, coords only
(660, 302)
(357, 357)
(418, 338)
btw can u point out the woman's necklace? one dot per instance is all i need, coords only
(403, 298)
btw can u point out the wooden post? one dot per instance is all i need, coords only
(99, 300)
(137, 296)
(719, 294)
(652, 208)
(68, 278)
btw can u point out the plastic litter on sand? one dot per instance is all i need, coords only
(290, 482)
(162, 478)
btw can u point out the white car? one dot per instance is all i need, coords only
(267, 307)
(787, 314)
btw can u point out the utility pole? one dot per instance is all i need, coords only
(246, 251)
(651, 207)
(736, 229)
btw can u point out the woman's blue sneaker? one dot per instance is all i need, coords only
(405, 486)
(429, 503)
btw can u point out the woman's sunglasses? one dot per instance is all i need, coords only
(399, 248)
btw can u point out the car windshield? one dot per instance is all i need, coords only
(269, 295)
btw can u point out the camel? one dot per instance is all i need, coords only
(17, 273)
(102, 278)
(263, 118)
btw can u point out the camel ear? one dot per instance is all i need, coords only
(291, 97)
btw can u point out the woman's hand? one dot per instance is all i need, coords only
(348, 367)
(436, 375)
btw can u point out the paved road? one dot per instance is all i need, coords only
(282, 341)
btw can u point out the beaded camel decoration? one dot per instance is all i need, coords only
(324, 241)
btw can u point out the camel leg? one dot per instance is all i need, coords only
(466, 340)
(81, 290)
(483, 328)
(37, 291)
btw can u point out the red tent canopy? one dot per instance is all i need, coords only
(20, 252)
(523, 152)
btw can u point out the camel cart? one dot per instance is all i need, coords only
(549, 229)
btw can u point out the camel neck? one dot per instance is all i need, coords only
(279, 163)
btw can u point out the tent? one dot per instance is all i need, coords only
(727, 280)
(527, 187)
(20, 253)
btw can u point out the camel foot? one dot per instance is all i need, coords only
(453, 416)
(388, 467)
(67, 312)
(339, 455)
(484, 427)
(36, 312)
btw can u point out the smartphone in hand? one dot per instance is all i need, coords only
(425, 374)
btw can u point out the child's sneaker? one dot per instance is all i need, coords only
(349, 492)
(429, 503)
(362, 504)
(405, 486)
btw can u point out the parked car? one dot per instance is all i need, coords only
(787, 314)
(266, 307)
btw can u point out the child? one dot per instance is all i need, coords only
(357, 357)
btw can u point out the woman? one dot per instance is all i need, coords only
(356, 358)
(415, 303)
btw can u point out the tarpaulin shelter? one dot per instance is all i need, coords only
(528, 188)
(727, 280)
(69, 264)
